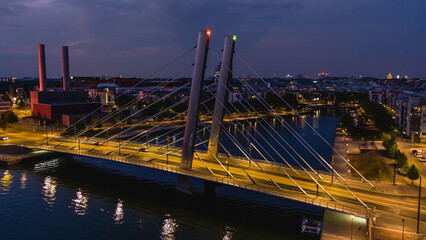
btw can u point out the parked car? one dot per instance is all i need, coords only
(144, 149)
(419, 155)
(4, 138)
(422, 159)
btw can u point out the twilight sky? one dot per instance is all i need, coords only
(135, 37)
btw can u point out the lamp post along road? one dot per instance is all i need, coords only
(403, 229)
(418, 210)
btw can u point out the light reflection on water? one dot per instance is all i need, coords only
(119, 213)
(229, 232)
(315, 120)
(169, 228)
(49, 190)
(6, 182)
(23, 180)
(46, 166)
(80, 203)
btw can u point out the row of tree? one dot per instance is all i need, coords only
(401, 160)
(379, 114)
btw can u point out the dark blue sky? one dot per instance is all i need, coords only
(134, 37)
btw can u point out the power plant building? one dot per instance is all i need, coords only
(52, 105)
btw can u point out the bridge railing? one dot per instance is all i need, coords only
(360, 212)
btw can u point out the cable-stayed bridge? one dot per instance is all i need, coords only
(279, 168)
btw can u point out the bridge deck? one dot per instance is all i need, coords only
(156, 160)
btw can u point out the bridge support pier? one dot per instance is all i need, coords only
(225, 76)
(184, 184)
(210, 188)
(194, 99)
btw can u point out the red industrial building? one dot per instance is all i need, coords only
(53, 105)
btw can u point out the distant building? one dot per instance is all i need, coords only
(375, 96)
(217, 73)
(52, 105)
(5, 106)
(389, 76)
(410, 113)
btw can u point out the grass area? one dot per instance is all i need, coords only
(369, 164)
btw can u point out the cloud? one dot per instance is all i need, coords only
(77, 43)
(18, 51)
(143, 51)
(107, 35)
(12, 7)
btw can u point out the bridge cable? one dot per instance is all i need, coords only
(134, 101)
(313, 129)
(240, 147)
(135, 85)
(255, 93)
(264, 149)
(137, 112)
(289, 128)
(229, 154)
(140, 135)
(136, 125)
(324, 160)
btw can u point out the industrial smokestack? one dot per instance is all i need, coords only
(42, 67)
(65, 69)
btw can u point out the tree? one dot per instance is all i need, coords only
(389, 141)
(401, 159)
(20, 103)
(7, 117)
(3, 125)
(413, 173)
(391, 146)
(10, 117)
(393, 149)
(347, 122)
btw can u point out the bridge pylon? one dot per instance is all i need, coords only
(225, 76)
(194, 99)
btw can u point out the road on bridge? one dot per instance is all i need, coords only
(387, 203)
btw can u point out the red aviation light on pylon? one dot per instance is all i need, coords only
(208, 32)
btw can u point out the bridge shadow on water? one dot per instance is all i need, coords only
(230, 213)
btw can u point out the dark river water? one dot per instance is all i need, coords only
(83, 198)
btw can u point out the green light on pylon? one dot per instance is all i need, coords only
(234, 37)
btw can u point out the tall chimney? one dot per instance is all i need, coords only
(42, 67)
(65, 69)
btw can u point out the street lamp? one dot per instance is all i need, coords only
(168, 142)
(227, 166)
(45, 129)
(402, 229)
(352, 221)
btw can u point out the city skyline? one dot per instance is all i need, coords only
(276, 37)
